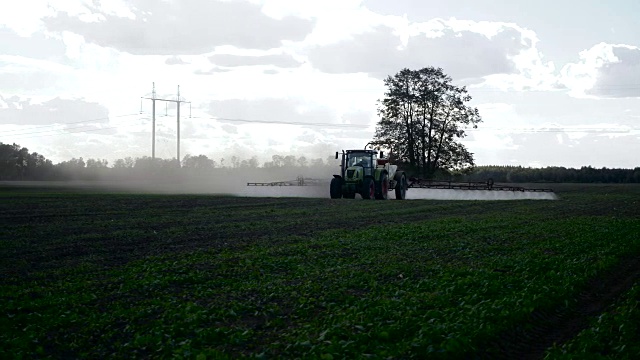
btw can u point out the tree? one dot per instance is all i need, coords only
(235, 162)
(289, 161)
(303, 162)
(9, 161)
(126, 163)
(72, 169)
(278, 160)
(250, 163)
(147, 163)
(38, 167)
(422, 117)
(16, 163)
(97, 164)
(96, 169)
(317, 162)
(22, 161)
(200, 162)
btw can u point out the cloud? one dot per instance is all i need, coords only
(33, 80)
(463, 51)
(465, 55)
(36, 46)
(228, 60)
(373, 52)
(175, 60)
(24, 17)
(19, 73)
(211, 71)
(606, 71)
(181, 27)
(55, 111)
(230, 129)
(620, 78)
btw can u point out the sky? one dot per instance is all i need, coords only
(557, 83)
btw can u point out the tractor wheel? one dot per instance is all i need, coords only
(368, 189)
(335, 189)
(383, 188)
(401, 187)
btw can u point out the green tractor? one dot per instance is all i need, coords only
(363, 172)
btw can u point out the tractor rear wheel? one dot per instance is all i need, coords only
(383, 188)
(401, 187)
(368, 189)
(335, 189)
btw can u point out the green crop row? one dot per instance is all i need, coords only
(447, 287)
(614, 334)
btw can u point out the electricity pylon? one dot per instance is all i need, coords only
(153, 99)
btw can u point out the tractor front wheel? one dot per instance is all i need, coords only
(368, 189)
(335, 189)
(383, 188)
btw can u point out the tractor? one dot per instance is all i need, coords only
(363, 172)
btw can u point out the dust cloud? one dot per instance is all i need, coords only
(286, 191)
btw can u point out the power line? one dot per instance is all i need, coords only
(560, 130)
(508, 130)
(519, 130)
(24, 133)
(280, 122)
(65, 132)
(50, 130)
(56, 132)
(72, 122)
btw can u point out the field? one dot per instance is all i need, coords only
(89, 274)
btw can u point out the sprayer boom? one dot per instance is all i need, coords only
(471, 185)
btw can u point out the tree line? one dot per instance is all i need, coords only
(17, 163)
(552, 174)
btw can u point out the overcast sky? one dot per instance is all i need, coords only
(557, 83)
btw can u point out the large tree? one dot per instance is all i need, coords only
(422, 118)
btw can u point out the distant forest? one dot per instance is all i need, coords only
(18, 164)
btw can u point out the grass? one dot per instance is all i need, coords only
(94, 275)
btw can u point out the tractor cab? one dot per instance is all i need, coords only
(365, 159)
(358, 164)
